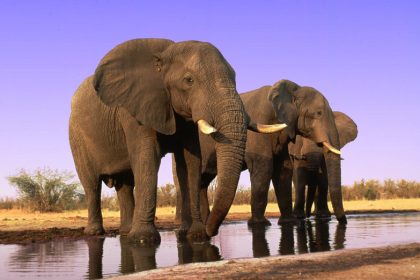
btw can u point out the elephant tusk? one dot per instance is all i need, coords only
(331, 148)
(205, 127)
(266, 128)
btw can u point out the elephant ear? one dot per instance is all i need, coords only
(282, 99)
(346, 127)
(130, 76)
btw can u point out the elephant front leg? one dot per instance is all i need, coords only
(145, 167)
(282, 183)
(310, 197)
(260, 174)
(322, 211)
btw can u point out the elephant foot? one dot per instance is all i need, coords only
(182, 231)
(286, 219)
(342, 220)
(299, 213)
(144, 234)
(258, 221)
(94, 229)
(197, 232)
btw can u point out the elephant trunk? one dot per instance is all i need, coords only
(230, 149)
(333, 164)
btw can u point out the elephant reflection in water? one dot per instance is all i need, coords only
(136, 258)
(96, 252)
(309, 241)
(189, 252)
(259, 241)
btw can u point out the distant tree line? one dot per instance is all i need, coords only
(47, 190)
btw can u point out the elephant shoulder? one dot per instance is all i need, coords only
(258, 106)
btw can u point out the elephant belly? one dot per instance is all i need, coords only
(314, 161)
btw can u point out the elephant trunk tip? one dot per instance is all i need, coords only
(214, 221)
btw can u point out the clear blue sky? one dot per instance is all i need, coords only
(363, 55)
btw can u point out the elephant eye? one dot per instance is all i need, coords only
(189, 80)
(318, 114)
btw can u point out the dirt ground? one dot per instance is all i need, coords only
(17, 227)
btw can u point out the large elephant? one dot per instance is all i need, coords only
(309, 168)
(146, 98)
(306, 112)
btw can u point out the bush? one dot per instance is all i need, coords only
(110, 203)
(389, 189)
(166, 195)
(8, 203)
(47, 190)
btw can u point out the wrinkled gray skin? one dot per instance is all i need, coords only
(144, 101)
(307, 113)
(309, 168)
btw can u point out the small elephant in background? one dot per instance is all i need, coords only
(309, 168)
(306, 112)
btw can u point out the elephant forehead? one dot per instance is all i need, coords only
(195, 62)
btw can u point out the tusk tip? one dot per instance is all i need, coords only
(331, 148)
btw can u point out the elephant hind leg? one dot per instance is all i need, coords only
(92, 185)
(124, 186)
(300, 182)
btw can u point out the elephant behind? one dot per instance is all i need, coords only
(145, 99)
(306, 112)
(309, 168)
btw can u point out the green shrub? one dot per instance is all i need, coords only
(8, 203)
(389, 189)
(166, 195)
(110, 202)
(47, 190)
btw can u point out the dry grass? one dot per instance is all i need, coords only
(23, 220)
(385, 204)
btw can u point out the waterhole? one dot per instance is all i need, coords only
(103, 257)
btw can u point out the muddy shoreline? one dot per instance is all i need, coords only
(75, 228)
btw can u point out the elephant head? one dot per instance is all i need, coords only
(312, 154)
(307, 113)
(154, 79)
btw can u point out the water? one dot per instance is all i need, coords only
(104, 257)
